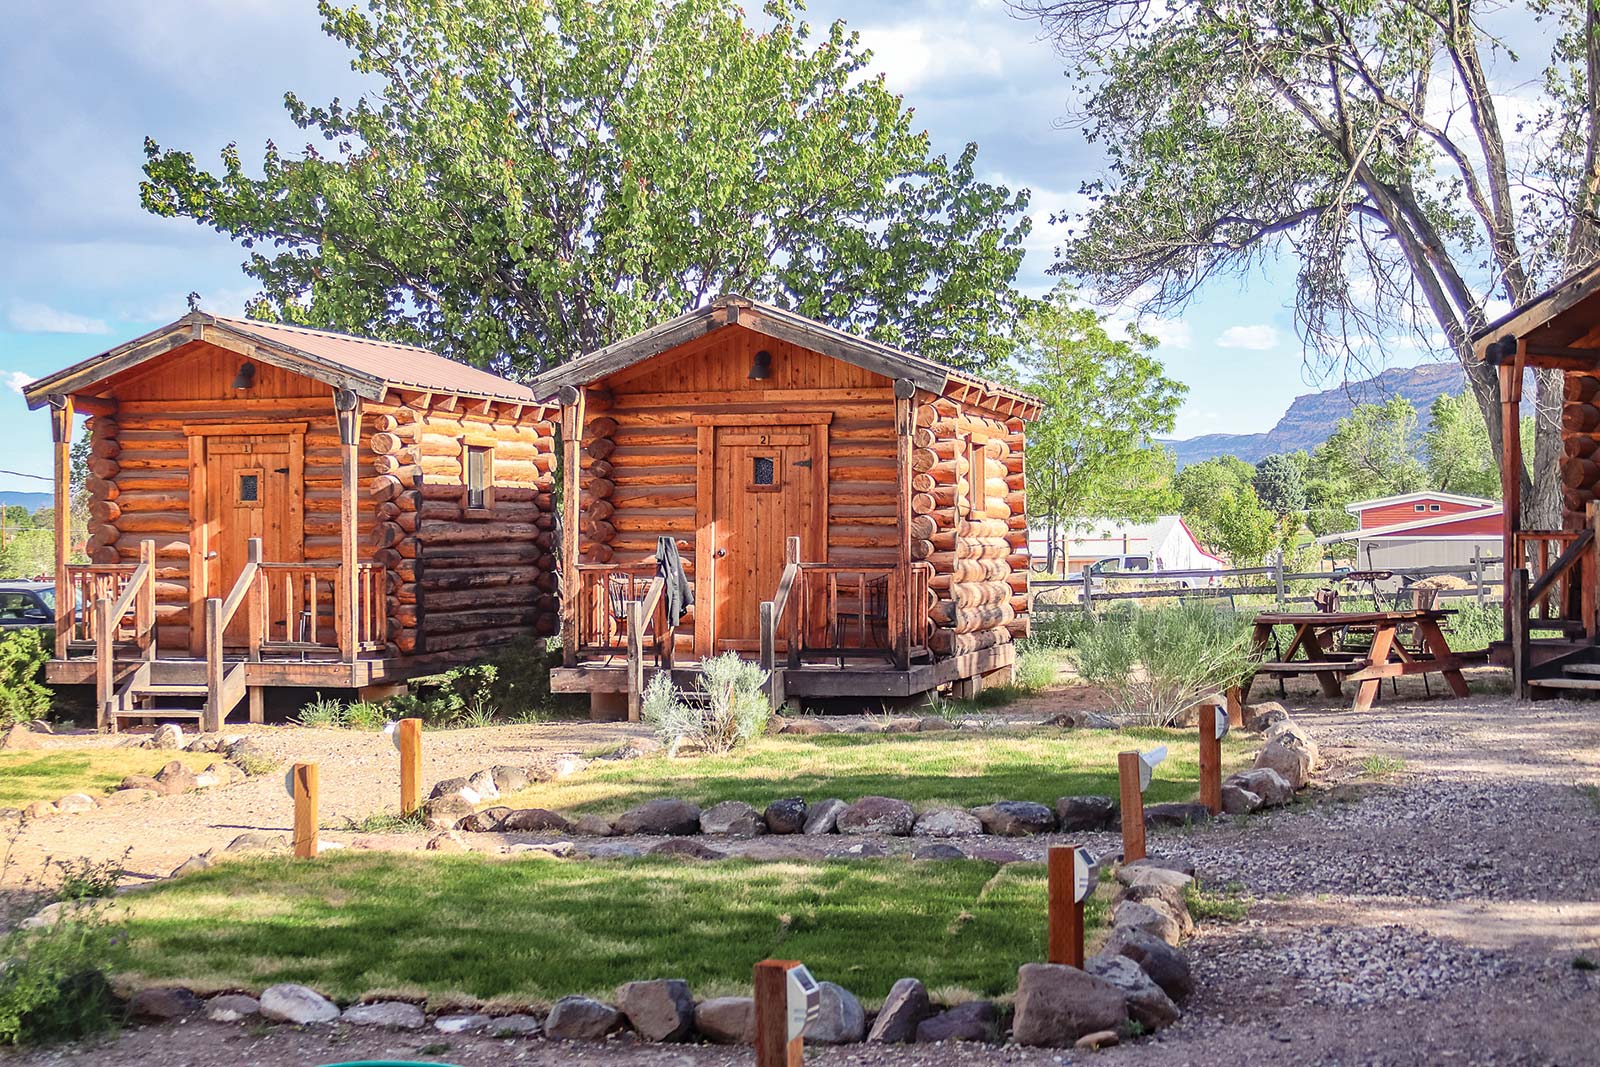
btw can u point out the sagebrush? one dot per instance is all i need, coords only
(1154, 664)
(728, 708)
(53, 984)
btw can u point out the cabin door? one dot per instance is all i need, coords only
(250, 488)
(764, 486)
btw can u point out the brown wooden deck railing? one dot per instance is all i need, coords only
(1561, 567)
(604, 592)
(137, 594)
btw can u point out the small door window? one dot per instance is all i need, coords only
(248, 490)
(764, 473)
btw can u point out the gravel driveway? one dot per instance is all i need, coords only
(1431, 912)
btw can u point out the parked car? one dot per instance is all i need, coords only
(27, 604)
(1100, 570)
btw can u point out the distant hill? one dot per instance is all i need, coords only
(1311, 418)
(31, 501)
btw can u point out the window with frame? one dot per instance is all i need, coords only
(977, 494)
(1419, 507)
(764, 473)
(479, 471)
(247, 488)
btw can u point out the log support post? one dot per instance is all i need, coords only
(348, 408)
(216, 667)
(61, 437)
(1132, 806)
(773, 1047)
(1517, 624)
(905, 606)
(635, 660)
(1511, 471)
(104, 649)
(571, 431)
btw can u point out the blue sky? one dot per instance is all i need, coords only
(82, 268)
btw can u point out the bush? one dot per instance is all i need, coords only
(1037, 668)
(1476, 625)
(1154, 664)
(513, 685)
(729, 709)
(1055, 630)
(23, 696)
(53, 982)
(86, 879)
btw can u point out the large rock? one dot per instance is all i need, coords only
(905, 1007)
(176, 779)
(443, 812)
(395, 1014)
(290, 1003)
(665, 815)
(660, 1010)
(258, 841)
(514, 1026)
(484, 785)
(509, 779)
(486, 821)
(732, 818)
(786, 816)
(76, 804)
(163, 1004)
(1150, 918)
(1168, 967)
(1291, 761)
(454, 787)
(1057, 1004)
(1076, 814)
(823, 818)
(1148, 1004)
(808, 726)
(1155, 869)
(1175, 814)
(1016, 818)
(877, 815)
(128, 796)
(1168, 898)
(1237, 800)
(167, 735)
(946, 822)
(581, 1019)
(232, 1008)
(1266, 783)
(840, 1019)
(19, 738)
(727, 1020)
(535, 821)
(1261, 717)
(976, 1020)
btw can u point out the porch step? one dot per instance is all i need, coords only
(165, 689)
(1582, 668)
(1587, 683)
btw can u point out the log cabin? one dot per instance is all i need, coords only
(1552, 575)
(850, 515)
(274, 506)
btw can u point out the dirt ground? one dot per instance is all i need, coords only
(1433, 902)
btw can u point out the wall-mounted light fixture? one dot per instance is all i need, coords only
(761, 369)
(246, 376)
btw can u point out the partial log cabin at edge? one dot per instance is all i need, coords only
(349, 460)
(739, 426)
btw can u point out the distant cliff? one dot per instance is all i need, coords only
(1311, 418)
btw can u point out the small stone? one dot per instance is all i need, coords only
(1166, 966)
(613, 850)
(18, 738)
(76, 804)
(1076, 814)
(938, 851)
(1057, 1004)
(727, 1020)
(1149, 918)
(840, 1019)
(167, 735)
(975, 1020)
(863, 850)
(994, 854)
(1167, 898)
(175, 779)
(567, 765)
(1259, 717)
(877, 815)
(809, 726)
(823, 818)
(1148, 1003)
(232, 1007)
(902, 726)
(482, 783)
(593, 826)
(686, 849)
(256, 840)
(515, 1026)
(448, 841)
(465, 1023)
(1178, 815)
(536, 821)
(786, 816)
(395, 1014)
(1016, 818)
(127, 796)
(546, 849)
(290, 1003)
(189, 866)
(455, 787)
(224, 772)
(1154, 869)
(444, 812)
(141, 781)
(663, 816)
(1266, 783)
(906, 1005)
(932, 724)
(660, 1010)
(581, 1019)
(509, 779)
(486, 821)
(732, 818)
(946, 822)
(172, 1003)
(1098, 1040)
(1237, 800)
(40, 809)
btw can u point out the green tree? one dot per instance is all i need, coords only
(1280, 482)
(533, 179)
(1373, 451)
(29, 554)
(1219, 503)
(1361, 139)
(1092, 454)
(1460, 458)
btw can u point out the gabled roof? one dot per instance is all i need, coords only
(1357, 507)
(366, 367)
(1538, 311)
(1413, 525)
(784, 325)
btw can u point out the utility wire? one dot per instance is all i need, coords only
(20, 474)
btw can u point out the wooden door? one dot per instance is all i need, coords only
(251, 483)
(761, 497)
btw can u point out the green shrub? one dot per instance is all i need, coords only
(1037, 669)
(53, 982)
(1154, 664)
(322, 713)
(1475, 625)
(86, 879)
(23, 695)
(364, 716)
(732, 706)
(1054, 630)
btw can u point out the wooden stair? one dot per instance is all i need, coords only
(1576, 673)
(176, 689)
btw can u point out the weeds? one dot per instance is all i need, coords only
(85, 879)
(1154, 664)
(1584, 963)
(729, 709)
(321, 714)
(1382, 766)
(1230, 904)
(387, 822)
(255, 764)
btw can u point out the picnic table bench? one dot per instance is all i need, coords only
(1386, 657)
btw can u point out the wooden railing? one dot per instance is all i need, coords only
(1561, 567)
(604, 592)
(138, 594)
(87, 585)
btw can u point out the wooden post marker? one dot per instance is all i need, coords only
(1235, 696)
(408, 739)
(302, 785)
(1213, 727)
(787, 998)
(1128, 768)
(1069, 871)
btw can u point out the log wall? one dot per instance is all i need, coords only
(1580, 435)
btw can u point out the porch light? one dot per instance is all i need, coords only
(761, 369)
(246, 376)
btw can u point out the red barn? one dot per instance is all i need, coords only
(1422, 529)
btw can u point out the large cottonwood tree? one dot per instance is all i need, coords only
(531, 179)
(1366, 142)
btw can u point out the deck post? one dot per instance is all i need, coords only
(905, 608)
(635, 660)
(348, 407)
(1511, 477)
(104, 652)
(1517, 621)
(571, 429)
(769, 654)
(215, 666)
(795, 630)
(145, 606)
(61, 436)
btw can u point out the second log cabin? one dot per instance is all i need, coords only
(851, 515)
(274, 506)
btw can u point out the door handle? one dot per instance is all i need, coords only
(720, 553)
(211, 555)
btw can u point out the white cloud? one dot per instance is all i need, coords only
(30, 317)
(15, 379)
(914, 56)
(1257, 338)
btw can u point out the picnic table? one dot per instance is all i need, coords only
(1386, 657)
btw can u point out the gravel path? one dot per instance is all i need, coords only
(1423, 915)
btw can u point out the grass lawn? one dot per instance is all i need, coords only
(532, 930)
(29, 776)
(928, 770)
